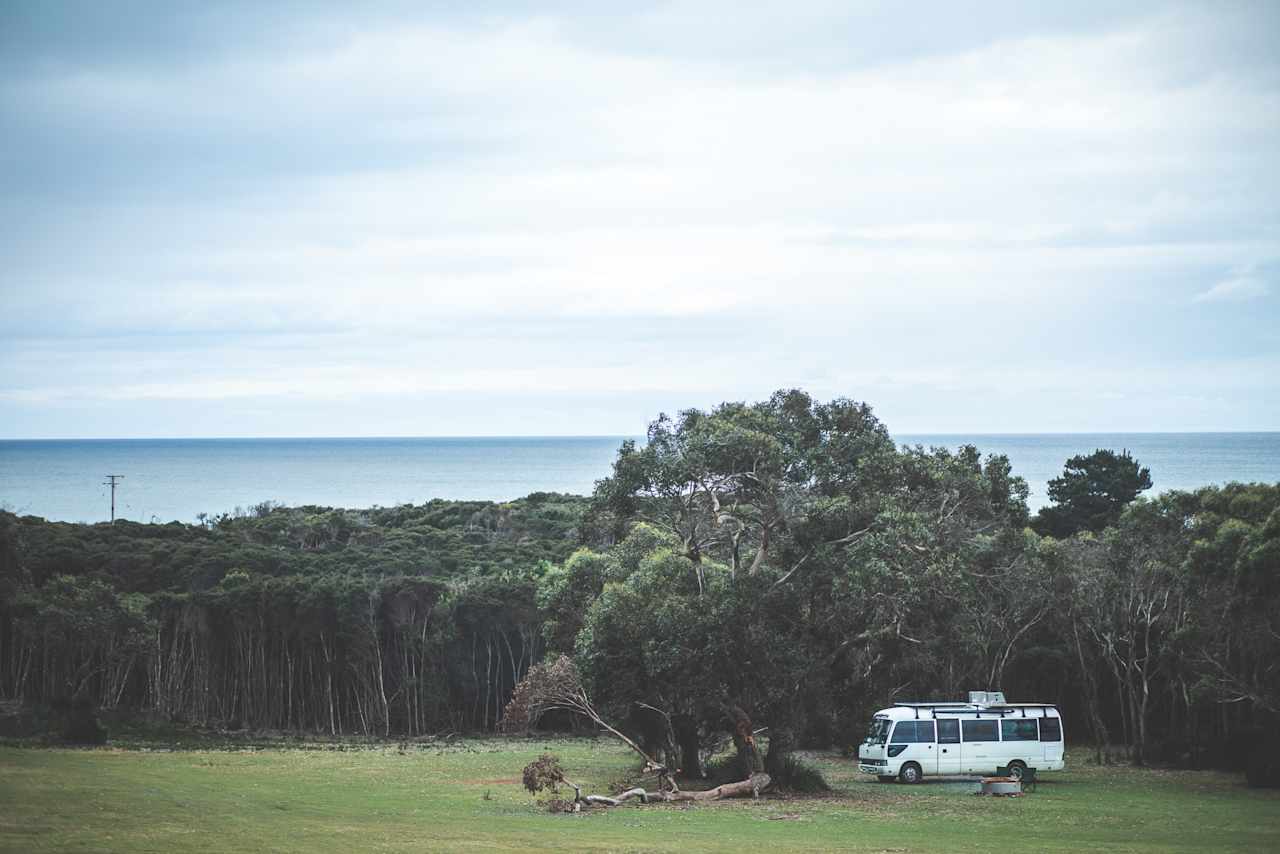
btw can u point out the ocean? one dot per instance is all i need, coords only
(167, 479)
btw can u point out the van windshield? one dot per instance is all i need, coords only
(878, 732)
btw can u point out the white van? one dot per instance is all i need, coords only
(911, 741)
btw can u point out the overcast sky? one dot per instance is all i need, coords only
(546, 219)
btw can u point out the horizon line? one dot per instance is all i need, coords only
(457, 436)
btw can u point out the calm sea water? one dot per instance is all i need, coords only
(167, 479)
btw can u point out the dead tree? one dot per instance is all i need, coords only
(556, 685)
(547, 687)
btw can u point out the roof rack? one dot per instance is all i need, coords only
(1000, 709)
(942, 707)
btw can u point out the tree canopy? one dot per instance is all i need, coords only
(1091, 493)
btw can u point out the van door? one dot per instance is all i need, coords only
(949, 746)
(979, 746)
(913, 741)
(926, 744)
(1051, 741)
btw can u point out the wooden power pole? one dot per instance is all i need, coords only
(111, 481)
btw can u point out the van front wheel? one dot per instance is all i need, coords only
(910, 773)
(1016, 767)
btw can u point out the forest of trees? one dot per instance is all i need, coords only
(782, 561)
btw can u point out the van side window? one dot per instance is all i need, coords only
(948, 731)
(1050, 729)
(913, 732)
(1019, 729)
(979, 730)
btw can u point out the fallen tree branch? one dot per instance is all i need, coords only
(619, 799)
(545, 773)
(753, 786)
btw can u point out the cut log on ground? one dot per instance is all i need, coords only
(752, 786)
(741, 789)
(545, 773)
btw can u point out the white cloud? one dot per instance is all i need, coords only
(959, 203)
(1237, 289)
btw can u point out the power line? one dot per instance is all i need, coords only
(111, 482)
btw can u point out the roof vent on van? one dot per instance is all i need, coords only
(987, 698)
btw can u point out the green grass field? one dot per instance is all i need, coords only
(467, 797)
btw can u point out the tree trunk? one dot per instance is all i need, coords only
(685, 730)
(1092, 702)
(744, 740)
(781, 743)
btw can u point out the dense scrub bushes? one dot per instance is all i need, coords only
(1262, 769)
(398, 620)
(79, 722)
